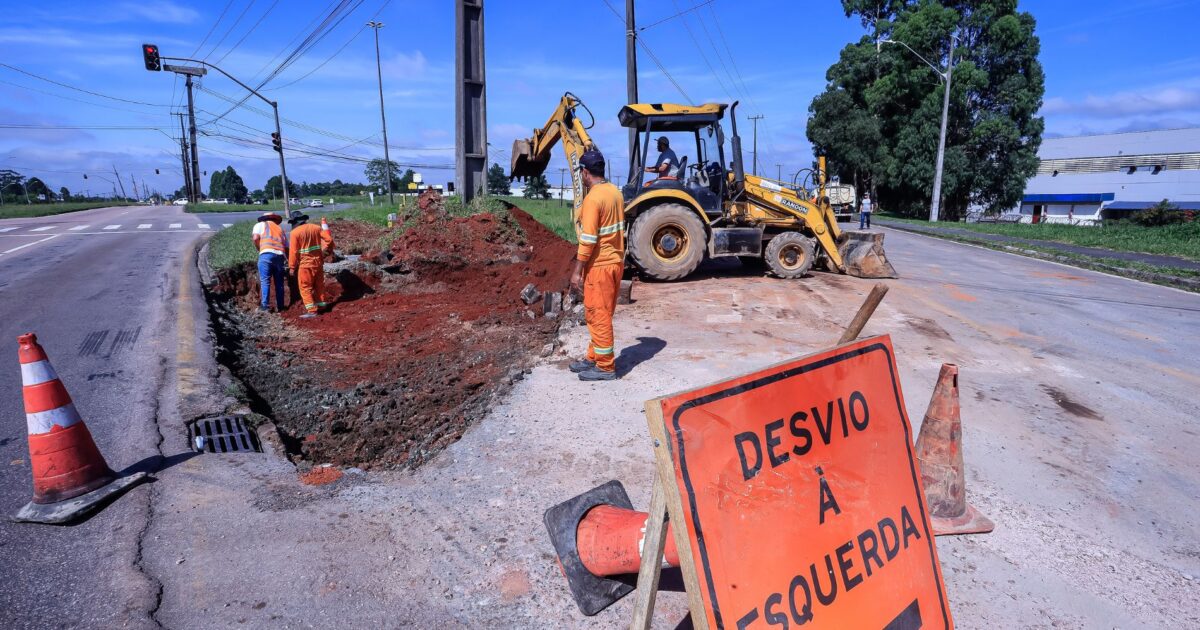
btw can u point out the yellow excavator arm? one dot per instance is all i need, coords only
(531, 155)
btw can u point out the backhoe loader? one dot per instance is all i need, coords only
(706, 209)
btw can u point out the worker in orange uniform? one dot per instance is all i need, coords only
(598, 266)
(272, 257)
(306, 257)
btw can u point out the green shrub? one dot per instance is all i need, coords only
(1162, 213)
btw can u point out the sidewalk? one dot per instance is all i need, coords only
(1094, 252)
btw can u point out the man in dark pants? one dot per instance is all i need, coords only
(272, 258)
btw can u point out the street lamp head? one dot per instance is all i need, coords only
(880, 42)
(374, 24)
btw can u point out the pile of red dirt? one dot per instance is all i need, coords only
(413, 350)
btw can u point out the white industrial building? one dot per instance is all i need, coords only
(1084, 179)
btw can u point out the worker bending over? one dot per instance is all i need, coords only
(598, 266)
(272, 258)
(306, 257)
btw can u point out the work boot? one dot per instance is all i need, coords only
(582, 365)
(264, 309)
(596, 374)
(308, 316)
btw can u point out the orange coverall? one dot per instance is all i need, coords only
(306, 257)
(600, 229)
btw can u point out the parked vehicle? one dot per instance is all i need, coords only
(316, 203)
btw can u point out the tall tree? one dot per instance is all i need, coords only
(879, 117)
(216, 185)
(39, 190)
(537, 187)
(497, 181)
(273, 187)
(376, 172)
(64, 194)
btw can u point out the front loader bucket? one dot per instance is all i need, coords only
(863, 255)
(524, 164)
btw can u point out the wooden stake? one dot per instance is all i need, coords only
(864, 313)
(652, 553)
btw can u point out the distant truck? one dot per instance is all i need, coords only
(842, 199)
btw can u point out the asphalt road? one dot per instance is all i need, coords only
(1079, 406)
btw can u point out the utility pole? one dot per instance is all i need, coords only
(756, 119)
(118, 176)
(935, 206)
(470, 100)
(196, 189)
(562, 190)
(187, 168)
(133, 184)
(387, 161)
(778, 172)
(631, 83)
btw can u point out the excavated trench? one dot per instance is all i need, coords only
(427, 330)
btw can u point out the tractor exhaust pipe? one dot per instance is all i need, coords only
(735, 143)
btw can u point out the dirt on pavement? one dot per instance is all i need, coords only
(420, 338)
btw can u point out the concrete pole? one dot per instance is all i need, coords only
(187, 168)
(470, 100)
(287, 204)
(387, 161)
(631, 82)
(756, 119)
(935, 205)
(197, 191)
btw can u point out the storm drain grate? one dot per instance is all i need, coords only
(223, 434)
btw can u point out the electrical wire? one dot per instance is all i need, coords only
(212, 28)
(230, 29)
(80, 100)
(337, 52)
(247, 33)
(653, 57)
(683, 12)
(71, 87)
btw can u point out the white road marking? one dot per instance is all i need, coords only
(7, 229)
(112, 227)
(204, 226)
(226, 225)
(43, 228)
(80, 227)
(19, 247)
(724, 318)
(145, 226)
(175, 226)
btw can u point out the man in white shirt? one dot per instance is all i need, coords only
(271, 244)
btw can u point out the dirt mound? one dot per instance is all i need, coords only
(413, 349)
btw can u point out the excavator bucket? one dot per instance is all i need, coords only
(524, 162)
(863, 255)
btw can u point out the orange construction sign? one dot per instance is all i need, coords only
(801, 497)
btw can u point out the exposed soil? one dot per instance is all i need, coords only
(420, 337)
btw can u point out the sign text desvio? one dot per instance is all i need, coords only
(802, 497)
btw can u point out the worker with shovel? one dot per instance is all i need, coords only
(306, 257)
(598, 266)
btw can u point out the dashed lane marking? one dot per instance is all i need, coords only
(43, 228)
(145, 226)
(204, 226)
(175, 226)
(20, 247)
(80, 227)
(8, 229)
(226, 225)
(112, 227)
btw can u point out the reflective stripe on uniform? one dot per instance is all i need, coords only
(612, 229)
(42, 421)
(602, 350)
(37, 373)
(588, 238)
(314, 248)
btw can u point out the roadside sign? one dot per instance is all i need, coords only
(192, 70)
(412, 185)
(797, 497)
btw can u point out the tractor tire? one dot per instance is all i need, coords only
(790, 255)
(667, 242)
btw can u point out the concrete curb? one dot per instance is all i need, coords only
(1186, 284)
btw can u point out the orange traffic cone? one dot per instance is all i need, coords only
(939, 451)
(599, 537)
(70, 476)
(324, 226)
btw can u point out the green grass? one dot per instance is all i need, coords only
(549, 213)
(21, 211)
(232, 246)
(206, 208)
(1182, 240)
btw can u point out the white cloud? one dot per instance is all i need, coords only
(1122, 104)
(161, 11)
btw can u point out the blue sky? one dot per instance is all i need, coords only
(1112, 66)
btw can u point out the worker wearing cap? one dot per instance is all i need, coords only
(272, 258)
(598, 266)
(667, 164)
(306, 257)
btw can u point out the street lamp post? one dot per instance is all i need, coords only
(935, 205)
(387, 161)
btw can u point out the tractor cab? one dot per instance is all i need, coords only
(695, 135)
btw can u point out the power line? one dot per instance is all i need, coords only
(230, 29)
(336, 53)
(71, 87)
(247, 33)
(653, 58)
(80, 100)
(212, 28)
(683, 12)
(703, 56)
(79, 127)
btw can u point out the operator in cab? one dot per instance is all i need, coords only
(598, 266)
(667, 165)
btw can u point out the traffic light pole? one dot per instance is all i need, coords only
(196, 188)
(274, 106)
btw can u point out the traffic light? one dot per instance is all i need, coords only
(150, 55)
(276, 141)
(156, 172)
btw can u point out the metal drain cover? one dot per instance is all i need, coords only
(223, 434)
